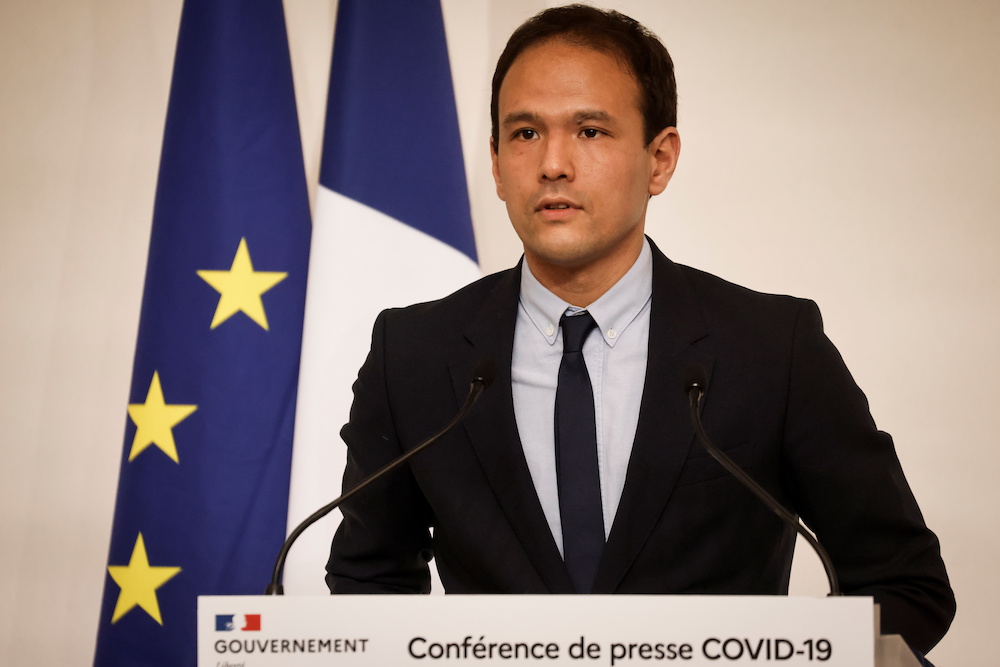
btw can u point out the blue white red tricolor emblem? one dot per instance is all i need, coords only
(231, 622)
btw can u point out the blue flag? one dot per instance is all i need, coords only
(392, 227)
(203, 488)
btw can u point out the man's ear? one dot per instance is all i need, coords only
(663, 151)
(496, 168)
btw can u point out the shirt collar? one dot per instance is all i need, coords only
(613, 311)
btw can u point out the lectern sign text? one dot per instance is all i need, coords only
(587, 631)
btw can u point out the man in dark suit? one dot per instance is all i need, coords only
(584, 115)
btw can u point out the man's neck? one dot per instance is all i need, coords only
(583, 285)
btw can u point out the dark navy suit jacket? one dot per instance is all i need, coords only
(780, 402)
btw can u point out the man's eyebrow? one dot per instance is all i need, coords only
(521, 117)
(591, 114)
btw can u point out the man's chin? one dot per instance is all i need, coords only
(567, 257)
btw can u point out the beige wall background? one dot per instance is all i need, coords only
(848, 152)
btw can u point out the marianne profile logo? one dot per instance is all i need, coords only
(237, 622)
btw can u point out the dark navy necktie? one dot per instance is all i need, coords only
(576, 457)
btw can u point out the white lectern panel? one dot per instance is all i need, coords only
(588, 631)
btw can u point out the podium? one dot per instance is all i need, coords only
(585, 630)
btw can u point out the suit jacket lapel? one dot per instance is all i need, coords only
(492, 430)
(664, 435)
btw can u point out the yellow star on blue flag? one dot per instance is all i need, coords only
(138, 582)
(155, 421)
(240, 288)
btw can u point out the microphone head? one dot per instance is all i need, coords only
(695, 376)
(485, 372)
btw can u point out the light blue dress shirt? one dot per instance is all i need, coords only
(616, 362)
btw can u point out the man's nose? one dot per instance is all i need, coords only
(557, 159)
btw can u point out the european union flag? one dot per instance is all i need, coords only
(203, 487)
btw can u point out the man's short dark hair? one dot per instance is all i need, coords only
(639, 50)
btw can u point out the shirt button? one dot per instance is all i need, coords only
(550, 330)
(612, 333)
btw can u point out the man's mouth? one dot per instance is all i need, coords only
(555, 204)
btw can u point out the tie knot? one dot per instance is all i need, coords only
(575, 329)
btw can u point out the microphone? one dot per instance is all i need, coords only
(695, 385)
(482, 377)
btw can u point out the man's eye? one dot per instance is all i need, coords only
(590, 133)
(526, 134)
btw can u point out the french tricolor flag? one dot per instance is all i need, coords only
(391, 227)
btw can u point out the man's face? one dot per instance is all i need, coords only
(570, 160)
